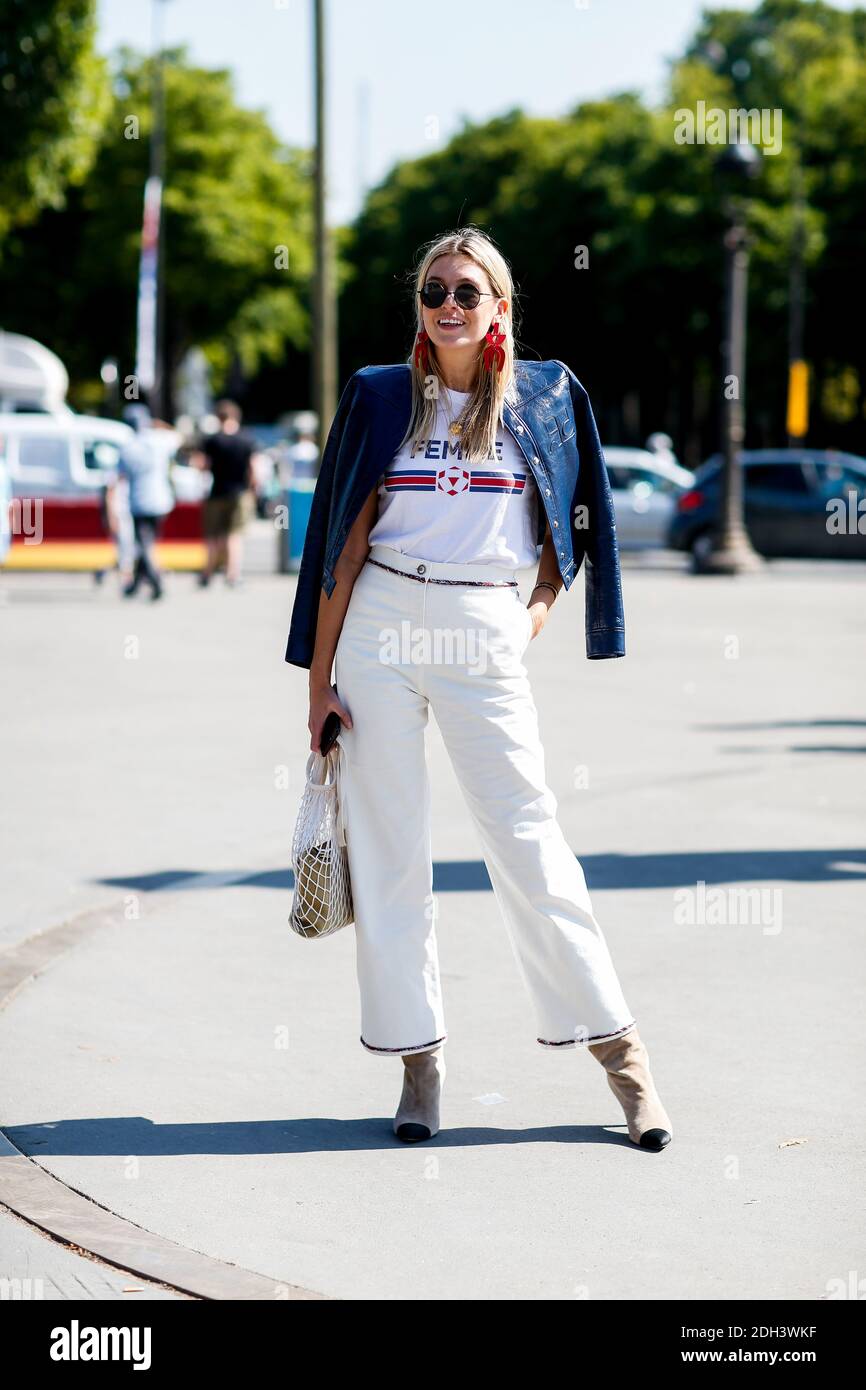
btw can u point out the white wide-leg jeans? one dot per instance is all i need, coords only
(408, 644)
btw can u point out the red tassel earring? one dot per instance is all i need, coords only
(422, 351)
(494, 353)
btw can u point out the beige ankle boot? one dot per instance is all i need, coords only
(418, 1112)
(626, 1062)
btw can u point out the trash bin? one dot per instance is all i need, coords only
(297, 503)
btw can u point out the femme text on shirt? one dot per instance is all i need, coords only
(491, 511)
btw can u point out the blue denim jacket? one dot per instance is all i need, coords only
(552, 423)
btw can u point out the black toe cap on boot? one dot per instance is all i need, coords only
(655, 1139)
(411, 1133)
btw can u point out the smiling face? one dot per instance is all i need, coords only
(452, 326)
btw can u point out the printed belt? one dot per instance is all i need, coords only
(478, 583)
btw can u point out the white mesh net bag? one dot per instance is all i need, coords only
(323, 892)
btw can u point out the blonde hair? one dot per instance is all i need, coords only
(482, 414)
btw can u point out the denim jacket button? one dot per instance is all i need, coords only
(556, 523)
(422, 569)
(520, 429)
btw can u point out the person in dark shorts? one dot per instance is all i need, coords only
(228, 455)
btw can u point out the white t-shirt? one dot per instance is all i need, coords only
(434, 505)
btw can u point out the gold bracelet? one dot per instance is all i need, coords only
(543, 584)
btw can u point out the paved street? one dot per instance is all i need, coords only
(184, 1061)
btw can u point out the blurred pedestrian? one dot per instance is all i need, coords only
(303, 455)
(144, 469)
(122, 527)
(116, 521)
(264, 476)
(662, 446)
(228, 454)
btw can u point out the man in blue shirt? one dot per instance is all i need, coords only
(145, 467)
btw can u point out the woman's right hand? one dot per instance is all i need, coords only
(323, 699)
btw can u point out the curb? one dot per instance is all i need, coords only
(77, 1220)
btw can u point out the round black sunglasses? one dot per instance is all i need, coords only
(433, 295)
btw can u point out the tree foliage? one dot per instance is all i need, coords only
(642, 324)
(236, 233)
(53, 101)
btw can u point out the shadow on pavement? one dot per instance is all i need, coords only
(122, 1135)
(603, 871)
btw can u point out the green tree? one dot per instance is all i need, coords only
(808, 61)
(236, 233)
(642, 322)
(53, 102)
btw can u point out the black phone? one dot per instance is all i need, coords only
(330, 729)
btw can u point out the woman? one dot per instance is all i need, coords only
(439, 478)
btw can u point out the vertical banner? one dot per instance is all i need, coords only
(145, 346)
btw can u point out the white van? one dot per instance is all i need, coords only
(60, 455)
(75, 455)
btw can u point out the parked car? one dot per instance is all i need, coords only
(645, 490)
(789, 498)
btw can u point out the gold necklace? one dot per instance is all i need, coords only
(455, 426)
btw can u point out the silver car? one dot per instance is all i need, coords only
(645, 489)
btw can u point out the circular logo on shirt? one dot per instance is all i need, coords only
(452, 480)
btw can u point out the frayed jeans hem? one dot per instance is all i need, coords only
(596, 1038)
(401, 1051)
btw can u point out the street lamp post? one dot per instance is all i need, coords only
(731, 551)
